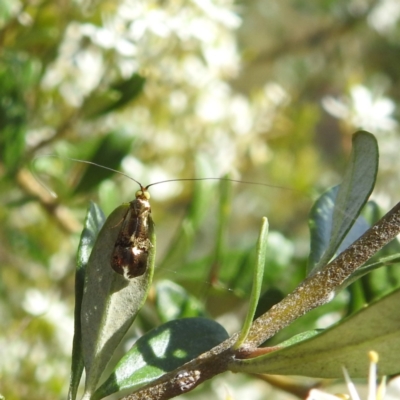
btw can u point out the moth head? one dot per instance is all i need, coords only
(142, 194)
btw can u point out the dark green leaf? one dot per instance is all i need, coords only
(268, 299)
(111, 151)
(357, 185)
(116, 96)
(162, 350)
(320, 223)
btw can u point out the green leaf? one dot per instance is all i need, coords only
(321, 224)
(299, 338)
(110, 302)
(389, 280)
(224, 210)
(372, 212)
(358, 183)
(117, 95)
(376, 327)
(93, 223)
(14, 89)
(202, 198)
(173, 302)
(110, 152)
(257, 283)
(239, 276)
(268, 299)
(162, 350)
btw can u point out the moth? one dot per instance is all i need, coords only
(130, 255)
(131, 250)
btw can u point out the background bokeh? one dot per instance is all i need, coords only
(259, 91)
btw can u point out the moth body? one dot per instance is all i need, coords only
(131, 250)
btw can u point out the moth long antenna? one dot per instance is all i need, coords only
(152, 184)
(36, 176)
(219, 179)
(104, 167)
(85, 162)
(155, 183)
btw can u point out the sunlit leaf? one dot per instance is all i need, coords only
(257, 282)
(162, 350)
(110, 303)
(93, 223)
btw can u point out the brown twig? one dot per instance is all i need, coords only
(62, 216)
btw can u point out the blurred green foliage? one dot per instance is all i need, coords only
(258, 91)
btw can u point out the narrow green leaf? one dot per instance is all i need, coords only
(366, 269)
(358, 183)
(217, 261)
(201, 195)
(319, 288)
(184, 237)
(300, 337)
(376, 327)
(110, 302)
(162, 350)
(173, 302)
(257, 283)
(93, 223)
(224, 211)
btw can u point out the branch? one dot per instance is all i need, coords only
(316, 290)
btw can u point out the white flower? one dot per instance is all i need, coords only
(374, 393)
(363, 110)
